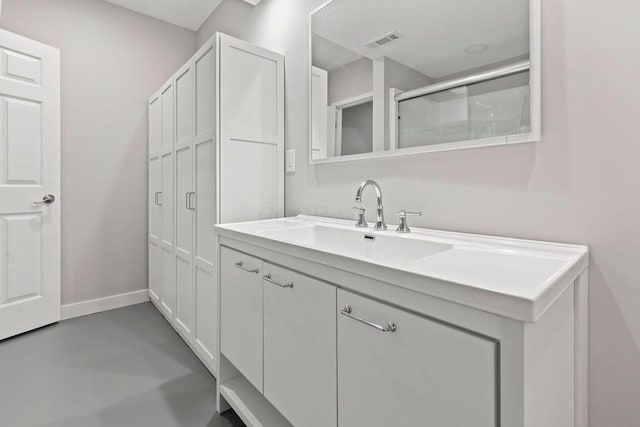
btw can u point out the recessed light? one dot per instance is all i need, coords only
(476, 48)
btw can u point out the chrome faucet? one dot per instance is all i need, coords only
(380, 224)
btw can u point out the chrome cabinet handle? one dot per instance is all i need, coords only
(47, 199)
(191, 194)
(248, 270)
(157, 198)
(186, 200)
(391, 327)
(268, 278)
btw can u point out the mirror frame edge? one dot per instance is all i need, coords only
(535, 58)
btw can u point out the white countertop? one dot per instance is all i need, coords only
(514, 278)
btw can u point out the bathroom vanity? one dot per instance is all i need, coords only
(325, 324)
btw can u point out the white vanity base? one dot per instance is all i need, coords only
(446, 364)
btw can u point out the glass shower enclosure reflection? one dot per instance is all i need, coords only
(496, 107)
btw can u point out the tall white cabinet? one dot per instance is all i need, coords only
(216, 155)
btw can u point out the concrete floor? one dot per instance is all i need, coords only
(124, 367)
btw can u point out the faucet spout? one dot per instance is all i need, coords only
(380, 224)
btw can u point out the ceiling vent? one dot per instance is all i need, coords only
(383, 40)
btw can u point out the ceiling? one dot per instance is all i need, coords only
(189, 14)
(433, 33)
(329, 56)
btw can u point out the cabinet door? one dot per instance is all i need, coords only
(204, 202)
(241, 313)
(251, 132)
(183, 251)
(300, 347)
(425, 373)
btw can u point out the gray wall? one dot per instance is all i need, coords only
(580, 184)
(112, 61)
(357, 129)
(352, 79)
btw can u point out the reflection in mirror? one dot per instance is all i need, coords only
(420, 75)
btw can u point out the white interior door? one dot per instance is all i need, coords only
(29, 171)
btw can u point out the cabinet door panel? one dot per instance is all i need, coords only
(206, 311)
(167, 118)
(184, 106)
(184, 293)
(168, 282)
(254, 163)
(155, 188)
(205, 68)
(205, 200)
(166, 198)
(155, 269)
(155, 125)
(300, 348)
(425, 373)
(184, 212)
(241, 313)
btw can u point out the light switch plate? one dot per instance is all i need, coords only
(291, 160)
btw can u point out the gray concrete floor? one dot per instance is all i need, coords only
(124, 367)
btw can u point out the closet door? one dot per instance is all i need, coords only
(184, 107)
(251, 132)
(166, 199)
(155, 191)
(204, 204)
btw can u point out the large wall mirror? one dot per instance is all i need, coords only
(412, 76)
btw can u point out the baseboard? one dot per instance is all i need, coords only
(84, 308)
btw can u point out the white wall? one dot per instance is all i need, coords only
(350, 80)
(580, 184)
(112, 61)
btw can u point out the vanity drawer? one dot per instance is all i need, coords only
(300, 347)
(241, 311)
(413, 371)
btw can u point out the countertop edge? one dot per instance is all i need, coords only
(515, 307)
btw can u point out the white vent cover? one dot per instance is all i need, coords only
(383, 40)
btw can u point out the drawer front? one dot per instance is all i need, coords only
(241, 313)
(413, 372)
(300, 347)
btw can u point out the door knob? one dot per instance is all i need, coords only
(47, 199)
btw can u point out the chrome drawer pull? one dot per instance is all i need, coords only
(248, 270)
(391, 327)
(268, 278)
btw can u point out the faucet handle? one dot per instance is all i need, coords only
(403, 227)
(362, 223)
(405, 213)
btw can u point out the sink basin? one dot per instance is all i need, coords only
(516, 278)
(383, 248)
